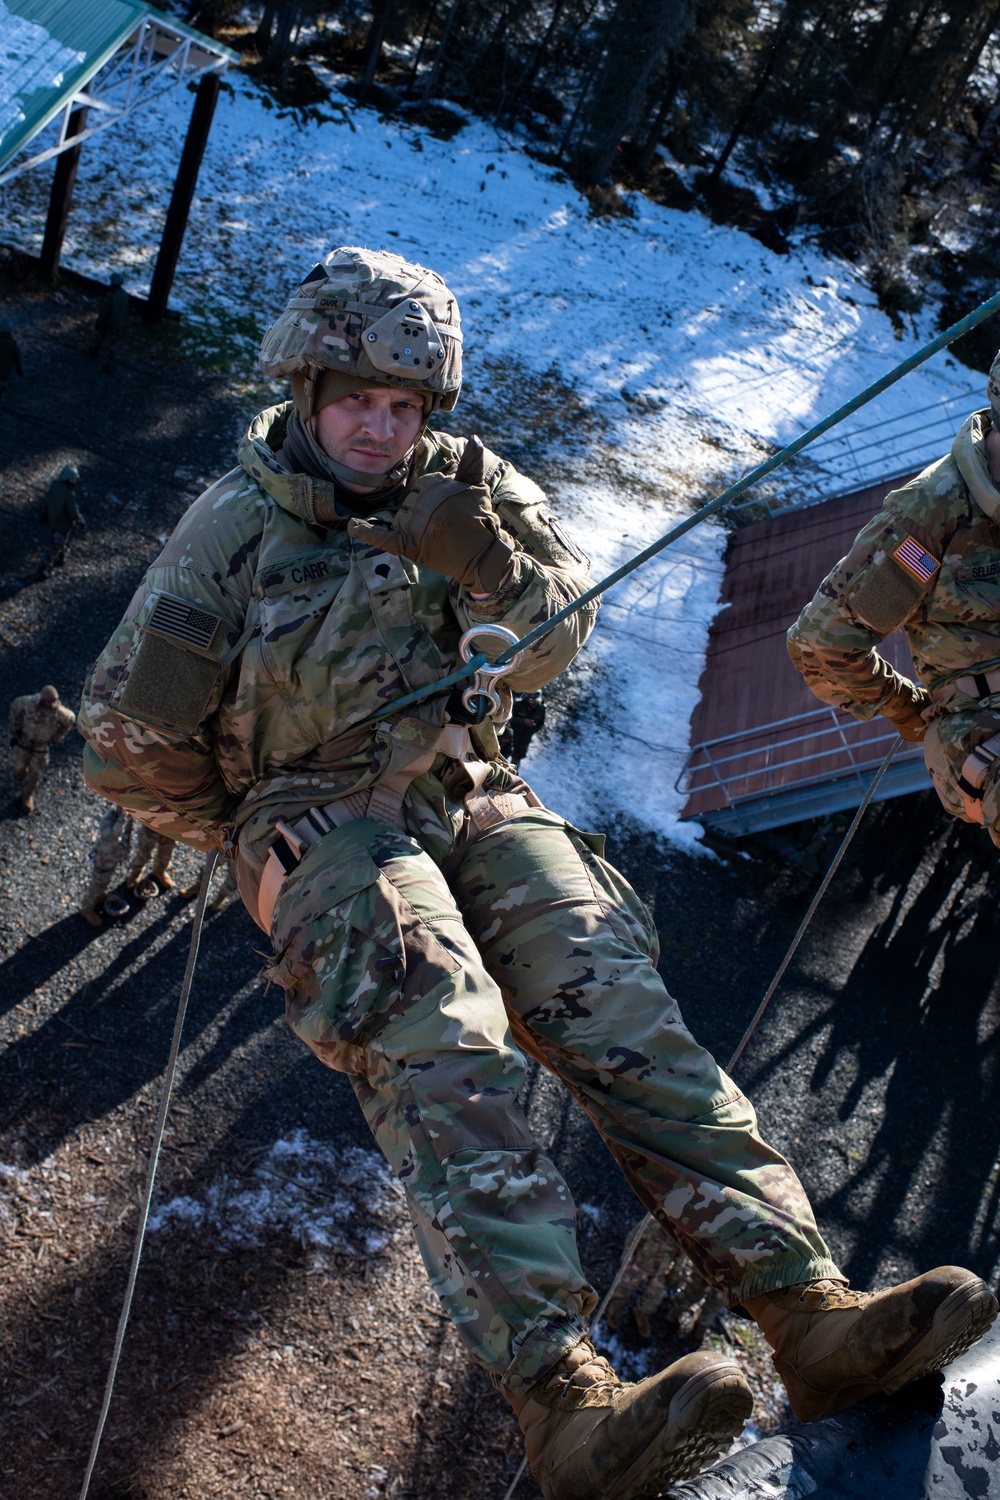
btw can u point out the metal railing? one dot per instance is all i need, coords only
(825, 744)
(852, 458)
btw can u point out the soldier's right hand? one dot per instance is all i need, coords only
(908, 721)
(447, 522)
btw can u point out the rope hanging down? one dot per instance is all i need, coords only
(956, 331)
(154, 1157)
(649, 1221)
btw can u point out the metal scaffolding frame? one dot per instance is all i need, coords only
(156, 57)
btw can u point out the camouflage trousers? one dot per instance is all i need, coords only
(151, 848)
(426, 984)
(28, 767)
(949, 739)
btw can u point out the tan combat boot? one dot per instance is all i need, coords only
(833, 1347)
(28, 803)
(163, 881)
(589, 1437)
(90, 915)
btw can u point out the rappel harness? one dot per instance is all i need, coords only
(478, 673)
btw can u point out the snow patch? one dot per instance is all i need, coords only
(342, 1198)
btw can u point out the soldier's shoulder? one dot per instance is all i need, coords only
(226, 521)
(934, 499)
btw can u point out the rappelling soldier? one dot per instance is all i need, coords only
(432, 922)
(928, 564)
(36, 721)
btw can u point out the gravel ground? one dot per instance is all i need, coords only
(283, 1342)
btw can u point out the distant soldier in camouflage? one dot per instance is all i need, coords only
(226, 889)
(114, 836)
(929, 564)
(155, 850)
(61, 514)
(10, 357)
(431, 921)
(112, 320)
(37, 721)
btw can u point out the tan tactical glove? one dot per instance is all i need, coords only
(904, 712)
(447, 522)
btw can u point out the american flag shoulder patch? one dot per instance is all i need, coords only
(916, 559)
(184, 622)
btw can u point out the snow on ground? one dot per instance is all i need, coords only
(330, 1198)
(681, 352)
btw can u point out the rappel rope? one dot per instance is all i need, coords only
(477, 663)
(956, 331)
(821, 890)
(154, 1157)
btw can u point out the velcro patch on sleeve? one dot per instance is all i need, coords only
(181, 621)
(882, 597)
(167, 684)
(917, 561)
(174, 668)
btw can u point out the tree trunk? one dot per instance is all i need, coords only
(287, 14)
(428, 23)
(527, 78)
(432, 82)
(373, 43)
(262, 36)
(639, 33)
(652, 140)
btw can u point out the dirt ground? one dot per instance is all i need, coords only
(282, 1340)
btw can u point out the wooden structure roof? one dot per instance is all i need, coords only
(765, 751)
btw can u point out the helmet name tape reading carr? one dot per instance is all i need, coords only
(374, 318)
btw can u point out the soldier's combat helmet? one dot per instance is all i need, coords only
(993, 391)
(366, 318)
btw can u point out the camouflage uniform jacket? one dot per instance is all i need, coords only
(259, 637)
(35, 728)
(61, 510)
(952, 617)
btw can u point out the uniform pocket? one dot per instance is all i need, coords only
(352, 948)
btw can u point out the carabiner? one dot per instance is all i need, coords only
(482, 686)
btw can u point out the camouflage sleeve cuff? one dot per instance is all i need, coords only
(494, 606)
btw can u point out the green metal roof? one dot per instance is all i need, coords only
(50, 49)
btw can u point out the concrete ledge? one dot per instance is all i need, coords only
(936, 1440)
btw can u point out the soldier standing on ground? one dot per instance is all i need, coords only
(37, 721)
(10, 356)
(61, 514)
(155, 850)
(431, 921)
(929, 564)
(112, 318)
(114, 836)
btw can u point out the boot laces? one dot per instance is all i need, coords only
(582, 1377)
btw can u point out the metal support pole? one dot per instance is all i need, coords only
(61, 197)
(180, 202)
